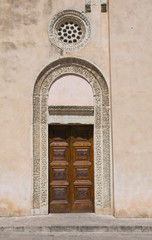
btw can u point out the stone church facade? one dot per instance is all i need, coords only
(76, 107)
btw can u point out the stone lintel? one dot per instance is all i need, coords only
(71, 110)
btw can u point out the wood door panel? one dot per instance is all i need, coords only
(59, 193)
(59, 154)
(82, 156)
(83, 199)
(59, 133)
(71, 169)
(82, 194)
(59, 173)
(59, 169)
(81, 133)
(82, 173)
(59, 204)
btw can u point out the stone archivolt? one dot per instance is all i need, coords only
(102, 158)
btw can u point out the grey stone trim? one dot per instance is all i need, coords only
(102, 157)
(71, 119)
(71, 110)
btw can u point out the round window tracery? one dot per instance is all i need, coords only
(70, 30)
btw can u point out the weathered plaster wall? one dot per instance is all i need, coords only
(131, 71)
(25, 49)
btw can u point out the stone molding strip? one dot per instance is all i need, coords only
(71, 110)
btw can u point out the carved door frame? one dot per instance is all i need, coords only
(102, 132)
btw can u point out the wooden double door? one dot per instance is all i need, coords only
(71, 174)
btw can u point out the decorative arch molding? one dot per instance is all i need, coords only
(102, 156)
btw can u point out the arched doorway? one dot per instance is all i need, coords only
(71, 158)
(102, 157)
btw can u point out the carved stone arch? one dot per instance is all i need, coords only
(102, 156)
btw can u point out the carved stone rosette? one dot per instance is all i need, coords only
(102, 157)
(70, 30)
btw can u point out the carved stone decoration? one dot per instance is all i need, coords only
(101, 111)
(70, 30)
(71, 110)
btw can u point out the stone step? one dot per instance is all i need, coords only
(75, 236)
(77, 229)
(74, 225)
